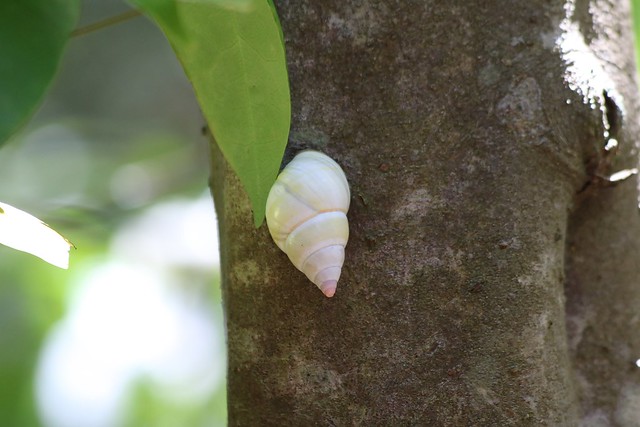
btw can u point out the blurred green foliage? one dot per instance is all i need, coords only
(119, 132)
(635, 8)
(147, 412)
(33, 34)
(26, 313)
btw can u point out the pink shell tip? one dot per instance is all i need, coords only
(328, 288)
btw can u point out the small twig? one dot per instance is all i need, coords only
(108, 22)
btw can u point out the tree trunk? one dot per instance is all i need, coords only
(491, 273)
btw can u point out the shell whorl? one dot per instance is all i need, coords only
(306, 216)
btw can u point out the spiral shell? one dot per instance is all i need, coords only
(307, 217)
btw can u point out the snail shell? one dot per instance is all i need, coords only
(307, 217)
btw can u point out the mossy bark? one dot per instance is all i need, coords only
(492, 274)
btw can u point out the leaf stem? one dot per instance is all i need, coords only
(108, 22)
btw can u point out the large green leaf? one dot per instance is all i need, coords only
(275, 16)
(233, 53)
(32, 37)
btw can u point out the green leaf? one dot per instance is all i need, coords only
(233, 53)
(33, 34)
(275, 16)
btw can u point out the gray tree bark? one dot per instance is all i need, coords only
(492, 274)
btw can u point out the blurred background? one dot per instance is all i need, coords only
(116, 161)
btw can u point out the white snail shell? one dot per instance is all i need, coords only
(307, 217)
